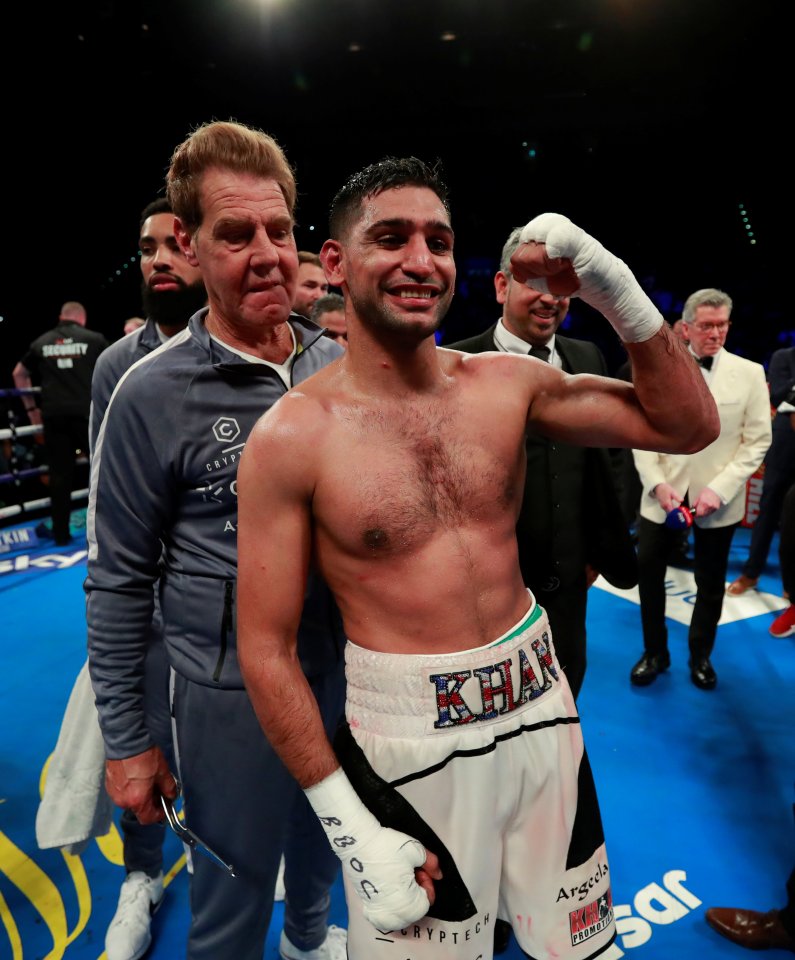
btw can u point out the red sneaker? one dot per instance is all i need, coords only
(784, 624)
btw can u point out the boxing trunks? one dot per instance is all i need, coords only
(479, 755)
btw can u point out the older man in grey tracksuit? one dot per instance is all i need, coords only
(164, 471)
(163, 507)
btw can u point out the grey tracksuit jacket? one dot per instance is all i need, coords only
(112, 364)
(163, 507)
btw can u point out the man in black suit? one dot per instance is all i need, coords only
(570, 528)
(779, 470)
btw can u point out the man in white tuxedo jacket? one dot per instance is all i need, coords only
(711, 483)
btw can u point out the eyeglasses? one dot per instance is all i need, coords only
(187, 836)
(720, 327)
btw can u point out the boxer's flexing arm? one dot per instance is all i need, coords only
(391, 872)
(678, 414)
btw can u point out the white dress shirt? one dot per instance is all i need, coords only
(508, 342)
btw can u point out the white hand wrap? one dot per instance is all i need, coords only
(378, 862)
(606, 282)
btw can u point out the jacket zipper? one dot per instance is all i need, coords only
(226, 626)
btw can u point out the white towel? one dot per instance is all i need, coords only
(75, 806)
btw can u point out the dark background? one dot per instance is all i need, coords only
(649, 122)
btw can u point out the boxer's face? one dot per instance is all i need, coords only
(396, 263)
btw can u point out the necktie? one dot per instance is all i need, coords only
(542, 353)
(705, 362)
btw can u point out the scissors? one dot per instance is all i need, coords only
(186, 835)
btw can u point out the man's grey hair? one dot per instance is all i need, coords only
(326, 304)
(708, 297)
(508, 251)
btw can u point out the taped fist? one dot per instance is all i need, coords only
(391, 872)
(556, 256)
(383, 871)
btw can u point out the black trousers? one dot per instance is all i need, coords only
(711, 560)
(62, 437)
(779, 477)
(786, 545)
(566, 609)
(788, 912)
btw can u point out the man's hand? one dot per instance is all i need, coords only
(707, 502)
(137, 783)
(34, 418)
(667, 497)
(530, 262)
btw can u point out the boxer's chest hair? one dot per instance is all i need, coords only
(424, 474)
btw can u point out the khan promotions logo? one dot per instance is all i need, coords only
(587, 921)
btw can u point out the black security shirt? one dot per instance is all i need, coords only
(61, 361)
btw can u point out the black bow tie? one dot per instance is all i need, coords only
(541, 352)
(705, 362)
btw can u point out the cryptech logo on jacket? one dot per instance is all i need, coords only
(226, 430)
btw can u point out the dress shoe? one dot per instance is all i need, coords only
(646, 669)
(702, 674)
(749, 928)
(502, 936)
(741, 585)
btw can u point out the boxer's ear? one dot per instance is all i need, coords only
(331, 257)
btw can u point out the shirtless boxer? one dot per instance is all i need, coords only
(459, 790)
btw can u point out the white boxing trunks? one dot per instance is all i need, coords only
(479, 755)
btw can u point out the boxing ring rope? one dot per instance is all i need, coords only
(17, 473)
